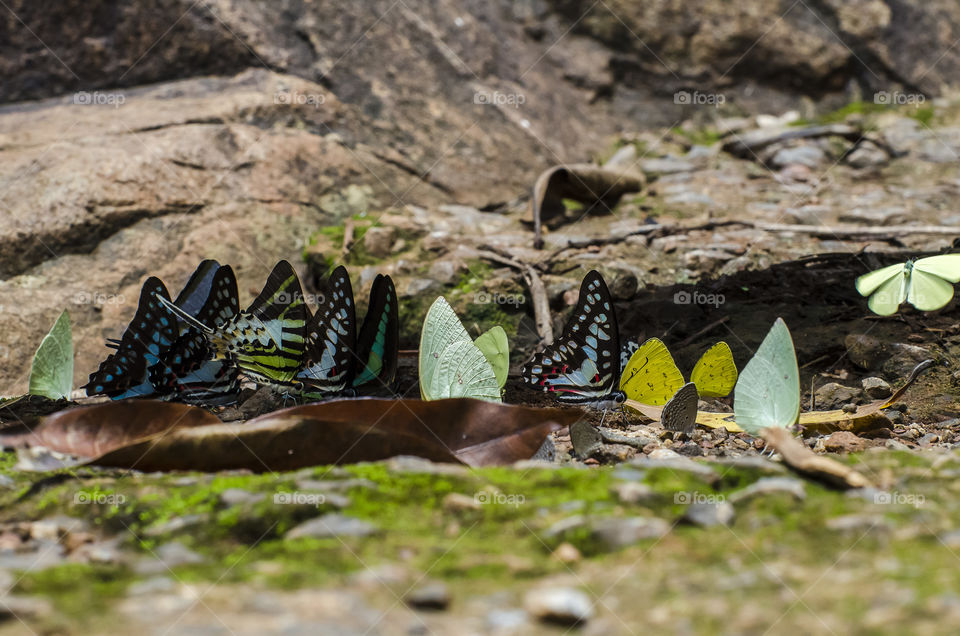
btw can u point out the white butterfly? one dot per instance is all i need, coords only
(927, 284)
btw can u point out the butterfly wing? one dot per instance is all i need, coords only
(496, 348)
(584, 363)
(715, 373)
(680, 412)
(463, 371)
(197, 290)
(651, 376)
(151, 332)
(768, 391)
(379, 343)
(441, 328)
(268, 339)
(331, 338)
(888, 297)
(51, 374)
(945, 266)
(868, 283)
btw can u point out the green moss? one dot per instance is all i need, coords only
(699, 136)
(78, 591)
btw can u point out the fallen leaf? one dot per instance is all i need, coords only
(89, 431)
(804, 461)
(459, 430)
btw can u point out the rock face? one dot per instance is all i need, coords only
(167, 131)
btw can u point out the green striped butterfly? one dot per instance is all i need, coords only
(378, 345)
(927, 284)
(267, 340)
(451, 365)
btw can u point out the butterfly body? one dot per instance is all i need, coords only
(583, 366)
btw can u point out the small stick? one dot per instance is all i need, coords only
(538, 291)
(348, 228)
(713, 325)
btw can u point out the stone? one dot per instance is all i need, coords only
(897, 445)
(239, 496)
(859, 523)
(770, 486)
(167, 557)
(805, 155)
(844, 442)
(433, 595)
(833, 395)
(865, 351)
(24, 607)
(667, 165)
(709, 514)
(456, 502)
(633, 493)
(615, 533)
(585, 438)
(566, 553)
(658, 458)
(876, 388)
(378, 241)
(624, 286)
(331, 525)
(559, 605)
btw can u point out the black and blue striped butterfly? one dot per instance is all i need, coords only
(161, 357)
(337, 361)
(266, 341)
(126, 372)
(583, 365)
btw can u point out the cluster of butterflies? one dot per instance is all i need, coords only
(584, 367)
(197, 348)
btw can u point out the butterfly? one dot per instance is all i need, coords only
(331, 338)
(768, 391)
(51, 374)
(927, 284)
(126, 372)
(160, 357)
(266, 341)
(186, 370)
(450, 364)
(378, 345)
(583, 365)
(680, 412)
(652, 377)
(495, 347)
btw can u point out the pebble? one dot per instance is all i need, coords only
(615, 533)
(456, 502)
(585, 438)
(331, 525)
(873, 524)
(805, 155)
(507, 620)
(770, 486)
(166, 557)
(833, 395)
(564, 526)
(706, 515)
(632, 492)
(666, 165)
(20, 607)
(559, 605)
(666, 458)
(432, 595)
(844, 442)
(566, 553)
(239, 496)
(174, 525)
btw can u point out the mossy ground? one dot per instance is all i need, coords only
(780, 564)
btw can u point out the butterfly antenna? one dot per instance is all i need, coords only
(179, 313)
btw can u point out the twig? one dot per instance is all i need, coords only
(804, 461)
(752, 143)
(538, 291)
(348, 228)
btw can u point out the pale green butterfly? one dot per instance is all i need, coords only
(927, 284)
(767, 394)
(52, 372)
(450, 364)
(496, 348)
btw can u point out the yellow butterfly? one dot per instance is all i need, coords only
(652, 377)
